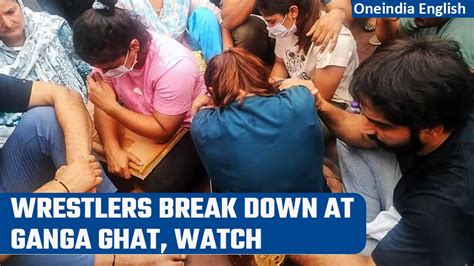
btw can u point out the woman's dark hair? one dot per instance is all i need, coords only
(418, 83)
(103, 35)
(308, 14)
(236, 71)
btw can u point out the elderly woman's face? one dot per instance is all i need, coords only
(12, 22)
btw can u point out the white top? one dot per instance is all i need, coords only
(301, 65)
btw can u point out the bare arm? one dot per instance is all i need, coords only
(325, 31)
(117, 158)
(343, 8)
(344, 125)
(279, 71)
(158, 127)
(227, 39)
(327, 80)
(387, 29)
(327, 260)
(4, 258)
(107, 128)
(72, 116)
(236, 12)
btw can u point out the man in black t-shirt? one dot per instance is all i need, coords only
(417, 101)
(56, 134)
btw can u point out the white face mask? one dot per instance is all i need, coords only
(121, 70)
(280, 31)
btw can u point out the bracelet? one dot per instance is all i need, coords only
(62, 184)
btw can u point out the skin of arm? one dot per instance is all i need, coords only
(327, 260)
(327, 80)
(87, 167)
(117, 158)
(387, 29)
(343, 8)
(227, 39)
(344, 125)
(236, 12)
(325, 31)
(69, 107)
(279, 71)
(158, 127)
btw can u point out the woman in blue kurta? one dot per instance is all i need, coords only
(256, 138)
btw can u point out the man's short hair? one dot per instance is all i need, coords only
(418, 83)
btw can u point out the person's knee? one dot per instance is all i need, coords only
(40, 119)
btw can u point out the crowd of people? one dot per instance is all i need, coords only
(282, 106)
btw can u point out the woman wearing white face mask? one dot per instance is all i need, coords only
(155, 78)
(297, 57)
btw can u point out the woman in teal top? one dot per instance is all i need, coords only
(256, 138)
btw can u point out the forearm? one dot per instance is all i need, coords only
(51, 187)
(279, 71)
(344, 125)
(328, 260)
(236, 12)
(4, 258)
(107, 128)
(343, 8)
(387, 29)
(144, 125)
(76, 124)
(227, 39)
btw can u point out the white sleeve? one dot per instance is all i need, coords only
(342, 53)
(207, 4)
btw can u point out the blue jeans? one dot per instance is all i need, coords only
(33, 152)
(373, 173)
(204, 33)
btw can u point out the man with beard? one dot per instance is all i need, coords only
(456, 29)
(416, 98)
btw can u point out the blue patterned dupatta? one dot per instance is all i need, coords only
(47, 55)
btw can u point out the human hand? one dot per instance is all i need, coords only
(326, 29)
(81, 176)
(118, 162)
(202, 101)
(292, 82)
(101, 93)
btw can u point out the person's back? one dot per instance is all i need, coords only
(456, 29)
(262, 140)
(266, 144)
(441, 185)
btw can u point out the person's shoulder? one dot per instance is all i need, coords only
(170, 53)
(299, 97)
(205, 125)
(407, 25)
(466, 23)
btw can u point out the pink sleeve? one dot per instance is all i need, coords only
(175, 89)
(104, 77)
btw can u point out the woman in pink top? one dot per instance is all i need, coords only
(154, 78)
